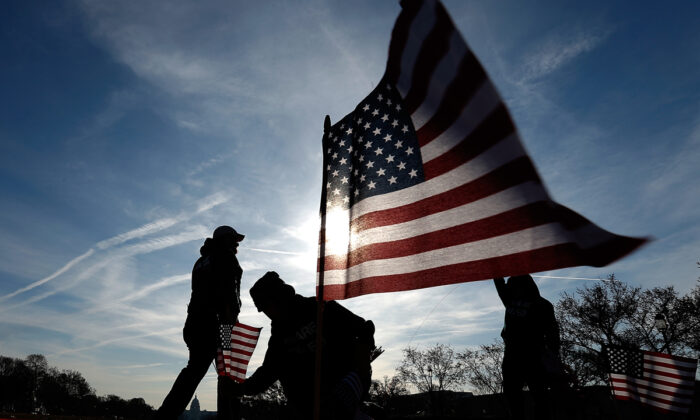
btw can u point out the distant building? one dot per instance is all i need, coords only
(194, 409)
(194, 413)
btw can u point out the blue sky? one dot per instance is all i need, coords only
(129, 130)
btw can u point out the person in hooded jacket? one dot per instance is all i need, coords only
(531, 337)
(214, 303)
(290, 357)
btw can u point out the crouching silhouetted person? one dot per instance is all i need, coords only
(215, 301)
(531, 336)
(290, 357)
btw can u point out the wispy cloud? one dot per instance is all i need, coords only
(560, 49)
(70, 264)
(108, 251)
(163, 283)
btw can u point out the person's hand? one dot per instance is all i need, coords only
(230, 387)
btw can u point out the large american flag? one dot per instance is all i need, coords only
(237, 345)
(655, 379)
(427, 182)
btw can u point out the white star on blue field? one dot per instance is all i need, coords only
(130, 130)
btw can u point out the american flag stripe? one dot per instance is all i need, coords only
(238, 358)
(675, 367)
(497, 126)
(445, 187)
(453, 273)
(480, 209)
(662, 387)
(492, 205)
(233, 362)
(484, 103)
(509, 222)
(516, 173)
(659, 380)
(239, 365)
(413, 271)
(247, 338)
(653, 401)
(242, 346)
(680, 362)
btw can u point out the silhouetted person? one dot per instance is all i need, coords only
(290, 357)
(531, 336)
(215, 300)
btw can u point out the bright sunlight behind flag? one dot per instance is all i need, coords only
(237, 346)
(427, 182)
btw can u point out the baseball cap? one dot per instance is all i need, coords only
(227, 231)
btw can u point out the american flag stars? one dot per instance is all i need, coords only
(372, 151)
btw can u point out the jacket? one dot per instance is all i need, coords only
(215, 296)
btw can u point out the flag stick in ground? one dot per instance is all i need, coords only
(319, 291)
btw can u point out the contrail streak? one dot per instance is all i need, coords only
(272, 251)
(570, 278)
(57, 273)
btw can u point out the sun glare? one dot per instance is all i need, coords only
(337, 231)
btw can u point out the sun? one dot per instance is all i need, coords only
(338, 231)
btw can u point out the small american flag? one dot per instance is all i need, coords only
(655, 379)
(427, 183)
(237, 345)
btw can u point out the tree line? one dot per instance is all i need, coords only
(30, 385)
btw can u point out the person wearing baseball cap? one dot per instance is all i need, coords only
(215, 303)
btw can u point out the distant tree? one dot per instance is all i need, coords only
(16, 385)
(694, 302)
(74, 384)
(482, 367)
(38, 366)
(383, 392)
(32, 385)
(435, 369)
(113, 406)
(681, 315)
(592, 318)
(136, 408)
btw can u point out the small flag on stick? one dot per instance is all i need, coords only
(658, 380)
(237, 345)
(427, 183)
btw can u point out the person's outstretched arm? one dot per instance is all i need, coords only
(502, 290)
(265, 375)
(551, 333)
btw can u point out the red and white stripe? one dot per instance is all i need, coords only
(234, 362)
(482, 211)
(667, 383)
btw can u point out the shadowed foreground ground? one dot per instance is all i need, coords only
(592, 403)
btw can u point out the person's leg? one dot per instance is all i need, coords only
(185, 385)
(513, 381)
(536, 379)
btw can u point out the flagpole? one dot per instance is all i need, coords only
(321, 269)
